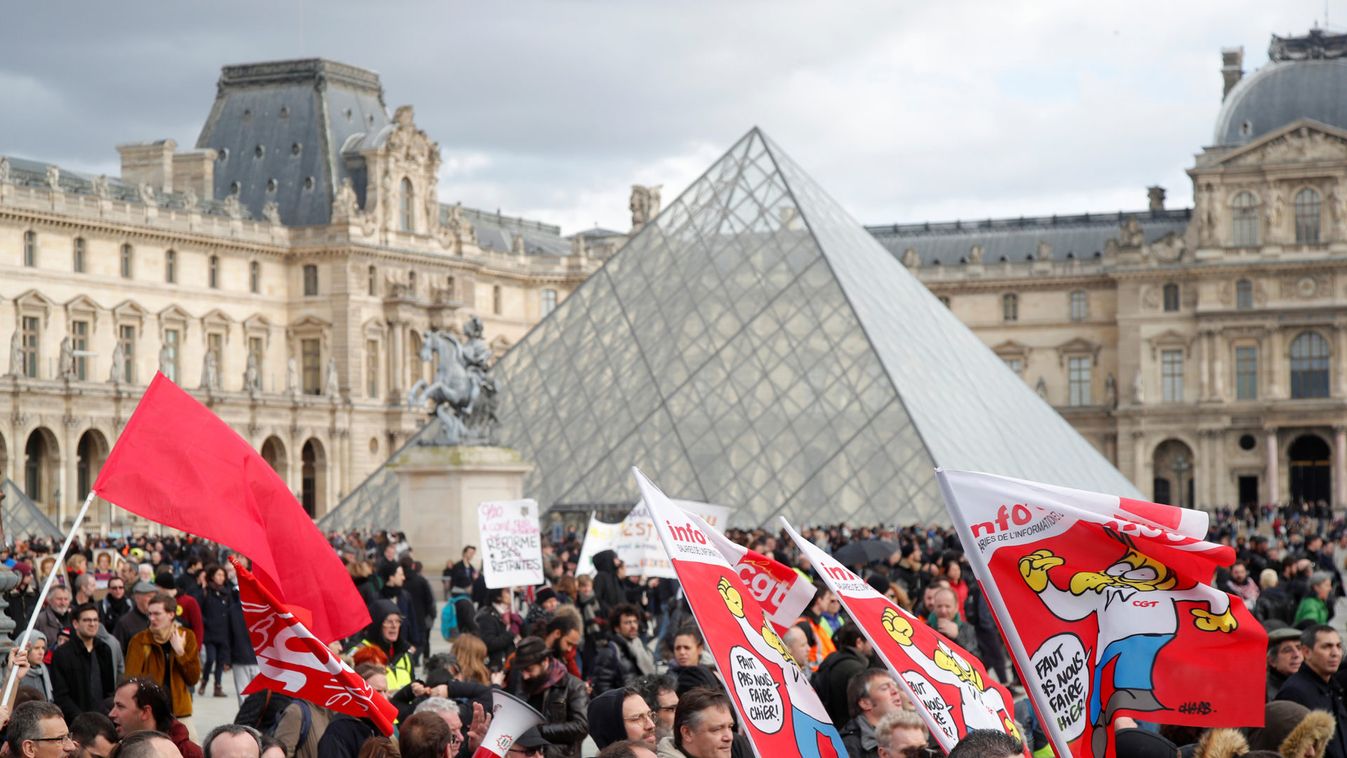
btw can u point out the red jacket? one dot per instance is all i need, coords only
(189, 614)
(178, 734)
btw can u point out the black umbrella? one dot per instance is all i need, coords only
(863, 552)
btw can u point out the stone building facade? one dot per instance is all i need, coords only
(1203, 350)
(282, 270)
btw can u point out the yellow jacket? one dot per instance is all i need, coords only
(144, 657)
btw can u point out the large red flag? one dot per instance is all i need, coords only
(178, 464)
(293, 661)
(1106, 605)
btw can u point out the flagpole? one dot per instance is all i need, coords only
(58, 568)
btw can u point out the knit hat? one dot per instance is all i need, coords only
(605, 717)
(545, 594)
(29, 638)
(1288, 727)
(689, 677)
(143, 587)
(1139, 743)
(530, 650)
(164, 580)
(23, 568)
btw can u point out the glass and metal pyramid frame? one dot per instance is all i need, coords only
(24, 518)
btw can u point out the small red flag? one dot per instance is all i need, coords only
(178, 464)
(293, 661)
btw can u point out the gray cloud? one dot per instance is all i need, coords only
(904, 111)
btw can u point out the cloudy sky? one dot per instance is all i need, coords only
(905, 111)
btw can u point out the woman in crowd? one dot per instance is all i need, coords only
(387, 633)
(215, 618)
(470, 652)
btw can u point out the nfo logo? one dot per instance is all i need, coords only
(686, 533)
(1017, 515)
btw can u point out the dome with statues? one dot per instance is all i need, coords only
(1306, 77)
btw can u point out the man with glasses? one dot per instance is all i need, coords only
(901, 734)
(82, 670)
(871, 695)
(621, 714)
(37, 729)
(530, 744)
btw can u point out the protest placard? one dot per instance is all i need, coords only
(512, 554)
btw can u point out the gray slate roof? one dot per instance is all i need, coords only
(31, 173)
(1280, 93)
(1016, 240)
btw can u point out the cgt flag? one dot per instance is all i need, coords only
(1105, 604)
(782, 592)
(951, 688)
(178, 464)
(779, 711)
(293, 661)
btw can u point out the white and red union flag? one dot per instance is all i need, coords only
(779, 711)
(1106, 605)
(292, 661)
(782, 591)
(951, 688)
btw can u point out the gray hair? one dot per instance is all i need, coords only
(436, 705)
(893, 722)
(230, 729)
(141, 744)
(26, 723)
(86, 582)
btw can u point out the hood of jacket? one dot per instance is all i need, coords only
(605, 718)
(380, 610)
(606, 561)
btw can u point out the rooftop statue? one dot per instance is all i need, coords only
(462, 391)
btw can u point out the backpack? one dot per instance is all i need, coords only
(262, 711)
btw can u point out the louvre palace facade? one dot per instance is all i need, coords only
(1202, 350)
(281, 270)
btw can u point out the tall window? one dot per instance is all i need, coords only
(30, 249)
(372, 368)
(79, 342)
(1171, 375)
(1078, 379)
(213, 273)
(77, 256)
(310, 279)
(1015, 364)
(30, 340)
(497, 300)
(126, 262)
(411, 283)
(310, 355)
(452, 286)
(1244, 294)
(170, 356)
(1244, 220)
(257, 352)
(549, 300)
(254, 277)
(1171, 297)
(1080, 306)
(406, 206)
(1309, 366)
(373, 281)
(1246, 373)
(1010, 307)
(171, 266)
(1307, 217)
(126, 337)
(215, 344)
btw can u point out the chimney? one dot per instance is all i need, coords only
(1156, 196)
(1232, 68)
(149, 163)
(194, 169)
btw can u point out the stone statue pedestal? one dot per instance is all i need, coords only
(439, 488)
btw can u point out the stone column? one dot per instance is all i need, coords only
(1141, 466)
(1340, 367)
(397, 361)
(1339, 465)
(1272, 488)
(1219, 351)
(1272, 362)
(1203, 366)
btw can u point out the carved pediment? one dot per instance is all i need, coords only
(176, 314)
(82, 305)
(257, 323)
(216, 317)
(1169, 340)
(1303, 141)
(1011, 349)
(34, 299)
(129, 310)
(1076, 347)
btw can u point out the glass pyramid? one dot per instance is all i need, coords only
(754, 346)
(24, 519)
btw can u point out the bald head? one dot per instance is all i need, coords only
(798, 645)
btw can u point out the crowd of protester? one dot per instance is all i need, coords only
(136, 630)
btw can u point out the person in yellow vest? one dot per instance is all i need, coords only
(387, 633)
(817, 633)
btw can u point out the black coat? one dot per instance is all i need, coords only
(614, 665)
(607, 587)
(496, 634)
(344, 736)
(1305, 687)
(832, 678)
(564, 704)
(70, 677)
(215, 615)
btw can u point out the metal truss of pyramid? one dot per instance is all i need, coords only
(754, 346)
(22, 517)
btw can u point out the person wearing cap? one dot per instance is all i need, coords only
(529, 745)
(1314, 606)
(1292, 730)
(29, 650)
(137, 619)
(1284, 656)
(1140, 743)
(23, 598)
(543, 682)
(1315, 685)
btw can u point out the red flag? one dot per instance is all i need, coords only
(1106, 605)
(782, 591)
(178, 464)
(950, 687)
(293, 661)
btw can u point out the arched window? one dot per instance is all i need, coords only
(77, 255)
(1244, 220)
(126, 261)
(213, 275)
(171, 266)
(1080, 306)
(1171, 297)
(1309, 366)
(1243, 294)
(1010, 307)
(254, 277)
(30, 249)
(406, 206)
(1307, 217)
(373, 281)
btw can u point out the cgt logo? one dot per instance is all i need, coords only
(1017, 515)
(764, 587)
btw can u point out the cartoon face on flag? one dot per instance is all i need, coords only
(951, 688)
(780, 712)
(1105, 604)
